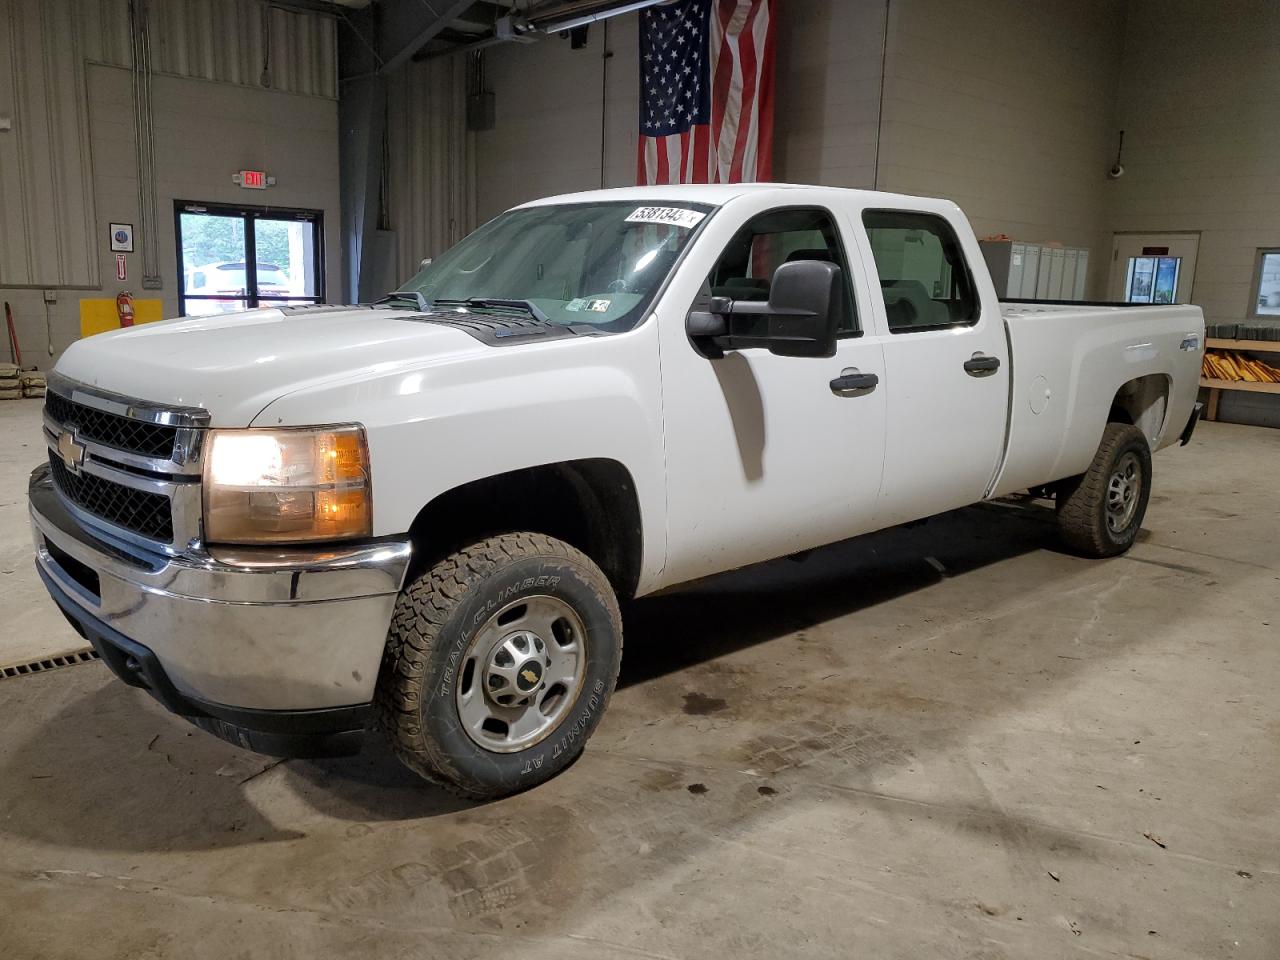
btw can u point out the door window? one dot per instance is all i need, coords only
(237, 258)
(924, 278)
(746, 267)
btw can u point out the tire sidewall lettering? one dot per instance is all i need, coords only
(480, 609)
(556, 577)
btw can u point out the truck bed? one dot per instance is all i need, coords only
(1069, 360)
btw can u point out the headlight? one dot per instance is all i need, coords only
(285, 485)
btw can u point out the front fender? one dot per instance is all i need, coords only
(433, 427)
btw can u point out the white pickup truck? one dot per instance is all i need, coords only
(291, 524)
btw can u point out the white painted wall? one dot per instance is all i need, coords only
(551, 104)
(230, 92)
(828, 91)
(204, 132)
(1199, 106)
(1006, 107)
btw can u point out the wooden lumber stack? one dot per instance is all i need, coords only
(1231, 365)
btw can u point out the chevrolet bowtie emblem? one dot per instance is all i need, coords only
(71, 450)
(529, 676)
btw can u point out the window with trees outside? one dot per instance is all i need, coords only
(235, 258)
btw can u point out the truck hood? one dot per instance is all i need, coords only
(234, 364)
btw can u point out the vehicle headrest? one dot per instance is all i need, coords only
(811, 253)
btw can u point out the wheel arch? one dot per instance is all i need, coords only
(1143, 402)
(591, 504)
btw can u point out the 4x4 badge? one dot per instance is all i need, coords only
(71, 450)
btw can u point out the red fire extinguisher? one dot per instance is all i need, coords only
(124, 308)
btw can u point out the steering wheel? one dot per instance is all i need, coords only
(619, 286)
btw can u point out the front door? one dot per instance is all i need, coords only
(767, 455)
(947, 365)
(1153, 268)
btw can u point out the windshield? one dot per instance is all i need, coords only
(581, 263)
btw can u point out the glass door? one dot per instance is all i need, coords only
(288, 268)
(213, 267)
(1153, 268)
(236, 258)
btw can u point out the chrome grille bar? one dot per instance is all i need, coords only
(126, 482)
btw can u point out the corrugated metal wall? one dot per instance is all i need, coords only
(432, 170)
(47, 232)
(248, 42)
(46, 189)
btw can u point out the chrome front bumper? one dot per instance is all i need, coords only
(252, 630)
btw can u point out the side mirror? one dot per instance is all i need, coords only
(806, 306)
(805, 309)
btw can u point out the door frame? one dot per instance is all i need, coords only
(250, 213)
(1116, 278)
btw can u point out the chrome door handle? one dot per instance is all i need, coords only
(979, 365)
(853, 383)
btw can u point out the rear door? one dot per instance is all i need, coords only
(946, 362)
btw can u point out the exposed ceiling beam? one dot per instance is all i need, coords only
(430, 19)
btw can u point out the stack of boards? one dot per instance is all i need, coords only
(1229, 365)
(16, 383)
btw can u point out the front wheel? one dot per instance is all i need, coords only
(1100, 512)
(499, 664)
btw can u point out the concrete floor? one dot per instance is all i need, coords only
(853, 756)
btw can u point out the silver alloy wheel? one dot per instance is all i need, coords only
(1124, 490)
(521, 673)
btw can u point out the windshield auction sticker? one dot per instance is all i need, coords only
(672, 216)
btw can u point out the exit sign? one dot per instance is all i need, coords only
(253, 179)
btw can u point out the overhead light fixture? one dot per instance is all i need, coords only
(579, 14)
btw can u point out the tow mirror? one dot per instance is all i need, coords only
(802, 316)
(804, 309)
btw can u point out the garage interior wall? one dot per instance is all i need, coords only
(431, 164)
(238, 84)
(1200, 112)
(1006, 107)
(1198, 106)
(548, 102)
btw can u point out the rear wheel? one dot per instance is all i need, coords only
(499, 664)
(1100, 512)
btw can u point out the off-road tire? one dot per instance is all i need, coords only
(435, 617)
(1082, 500)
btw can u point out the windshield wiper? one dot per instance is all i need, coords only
(528, 306)
(413, 296)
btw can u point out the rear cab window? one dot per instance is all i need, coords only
(924, 278)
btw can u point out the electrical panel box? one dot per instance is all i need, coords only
(1033, 271)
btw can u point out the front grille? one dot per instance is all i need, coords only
(123, 433)
(147, 514)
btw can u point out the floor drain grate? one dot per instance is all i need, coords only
(87, 655)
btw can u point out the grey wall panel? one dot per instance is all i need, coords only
(48, 233)
(432, 179)
(46, 196)
(246, 42)
(103, 27)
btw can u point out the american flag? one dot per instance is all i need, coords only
(706, 92)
